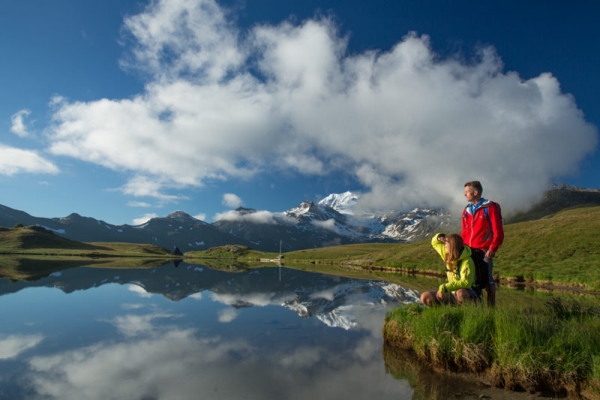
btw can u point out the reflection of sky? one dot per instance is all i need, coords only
(111, 343)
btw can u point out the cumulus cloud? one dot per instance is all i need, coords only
(18, 126)
(144, 218)
(14, 161)
(410, 125)
(231, 200)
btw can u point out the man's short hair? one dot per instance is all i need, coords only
(475, 185)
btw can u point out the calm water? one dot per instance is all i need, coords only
(191, 332)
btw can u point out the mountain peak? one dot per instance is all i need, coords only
(342, 202)
(179, 215)
(245, 211)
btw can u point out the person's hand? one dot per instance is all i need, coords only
(439, 295)
(490, 254)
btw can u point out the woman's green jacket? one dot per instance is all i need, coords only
(465, 278)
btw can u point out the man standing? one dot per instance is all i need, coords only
(482, 229)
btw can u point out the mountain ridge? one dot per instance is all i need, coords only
(331, 221)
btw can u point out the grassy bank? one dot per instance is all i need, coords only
(552, 348)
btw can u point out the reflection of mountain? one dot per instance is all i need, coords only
(331, 299)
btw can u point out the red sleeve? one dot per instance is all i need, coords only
(464, 231)
(497, 228)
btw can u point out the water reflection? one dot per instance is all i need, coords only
(188, 331)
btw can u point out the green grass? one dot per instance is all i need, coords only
(551, 348)
(34, 240)
(229, 252)
(561, 248)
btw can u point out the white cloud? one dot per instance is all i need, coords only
(409, 124)
(328, 224)
(144, 218)
(13, 345)
(138, 204)
(231, 200)
(257, 217)
(201, 217)
(14, 161)
(140, 186)
(18, 126)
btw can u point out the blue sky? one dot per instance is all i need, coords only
(122, 110)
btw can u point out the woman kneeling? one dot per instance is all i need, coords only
(460, 271)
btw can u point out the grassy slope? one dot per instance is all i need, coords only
(560, 248)
(38, 241)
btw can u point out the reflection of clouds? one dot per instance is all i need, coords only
(173, 365)
(302, 357)
(228, 315)
(13, 345)
(177, 364)
(139, 290)
(254, 299)
(134, 325)
(132, 306)
(196, 296)
(327, 294)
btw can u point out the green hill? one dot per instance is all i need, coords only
(35, 240)
(560, 248)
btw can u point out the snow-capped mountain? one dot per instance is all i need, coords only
(335, 307)
(343, 203)
(332, 221)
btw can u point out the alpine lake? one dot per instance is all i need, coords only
(189, 331)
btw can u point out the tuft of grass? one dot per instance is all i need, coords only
(553, 348)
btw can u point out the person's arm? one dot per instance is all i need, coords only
(438, 242)
(497, 230)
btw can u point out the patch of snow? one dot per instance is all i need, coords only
(61, 231)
